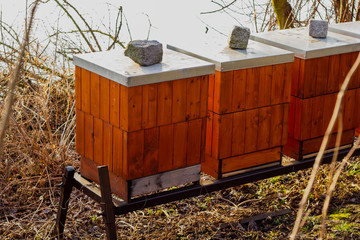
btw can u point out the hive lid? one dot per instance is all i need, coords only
(216, 50)
(306, 47)
(351, 29)
(121, 69)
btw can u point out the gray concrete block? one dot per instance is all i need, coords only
(318, 28)
(144, 52)
(239, 37)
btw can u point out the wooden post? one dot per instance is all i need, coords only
(106, 203)
(66, 189)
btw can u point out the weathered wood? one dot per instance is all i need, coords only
(89, 136)
(78, 87)
(98, 141)
(95, 94)
(193, 94)
(149, 105)
(104, 99)
(180, 146)
(164, 111)
(114, 104)
(179, 101)
(85, 91)
(165, 180)
(193, 149)
(166, 148)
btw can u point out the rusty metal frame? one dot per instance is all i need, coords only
(112, 207)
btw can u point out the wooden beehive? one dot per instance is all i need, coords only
(147, 124)
(248, 106)
(351, 29)
(319, 69)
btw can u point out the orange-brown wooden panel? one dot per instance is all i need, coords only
(263, 138)
(215, 136)
(225, 132)
(302, 129)
(287, 83)
(77, 87)
(85, 91)
(265, 80)
(203, 139)
(108, 144)
(105, 99)
(151, 151)
(334, 75)
(166, 148)
(322, 75)
(95, 94)
(356, 76)
(238, 133)
(209, 133)
(211, 92)
(276, 124)
(98, 141)
(350, 109)
(115, 103)
(222, 91)
(179, 101)
(193, 149)
(149, 105)
(317, 113)
(357, 103)
(292, 112)
(292, 148)
(277, 83)
(297, 117)
(180, 144)
(251, 129)
(251, 160)
(125, 169)
(204, 94)
(124, 108)
(211, 166)
(117, 151)
(301, 80)
(164, 112)
(252, 88)
(285, 132)
(89, 136)
(310, 77)
(295, 77)
(329, 104)
(134, 108)
(239, 90)
(193, 98)
(345, 65)
(135, 154)
(80, 132)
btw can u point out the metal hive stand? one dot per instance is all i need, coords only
(112, 207)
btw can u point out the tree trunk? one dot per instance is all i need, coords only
(284, 15)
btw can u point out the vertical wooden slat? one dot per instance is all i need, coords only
(222, 91)
(203, 139)
(285, 124)
(333, 78)
(149, 105)
(345, 65)
(215, 136)
(78, 87)
(322, 75)
(85, 91)
(211, 92)
(180, 140)
(105, 99)
(277, 84)
(135, 157)
(98, 141)
(238, 133)
(125, 166)
(194, 142)
(297, 118)
(193, 98)
(317, 113)
(251, 129)
(295, 77)
(134, 108)
(115, 104)
(301, 80)
(107, 146)
(357, 113)
(204, 94)
(151, 151)
(179, 101)
(356, 76)
(80, 132)
(329, 104)
(89, 136)
(239, 90)
(292, 112)
(310, 77)
(265, 80)
(350, 109)
(305, 127)
(263, 138)
(209, 134)
(164, 112)
(95, 94)
(225, 135)
(166, 148)
(117, 151)
(124, 108)
(287, 82)
(277, 115)
(252, 88)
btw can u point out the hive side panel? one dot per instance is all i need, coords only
(265, 80)
(135, 154)
(166, 149)
(251, 130)
(209, 134)
(78, 87)
(317, 116)
(287, 82)
(305, 118)
(310, 77)
(151, 151)
(238, 133)
(225, 135)
(149, 106)
(252, 88)
(193, 98)
(89, 136)
(333, 78)
(115, 104)
(295, 77)
(263, 139)
(180, 144)
(105, 99)
(204, 94)
(211, 92)
(301, 81)
(80, 132)
(203, 139)
(322, 75)
(292, 113)
(345, 65)
(124, 108)
(222, 91)
(117, 151)
(285, 128)
(350, 109)
(239, 90)
(85, 91)
(95, 94)
(329, 104)
(356, 76)
(194, 142)
(277, 84)
(98, 141)
(276, 124)
(107, 146)
(164, 112)
(135, 108)
(179, 101)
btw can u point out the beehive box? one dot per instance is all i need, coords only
(351, 29)
(319, 69)
(147, 124)
(248, 105)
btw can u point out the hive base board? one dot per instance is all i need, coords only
(299, 149)
(132, 188)
(219, 168)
